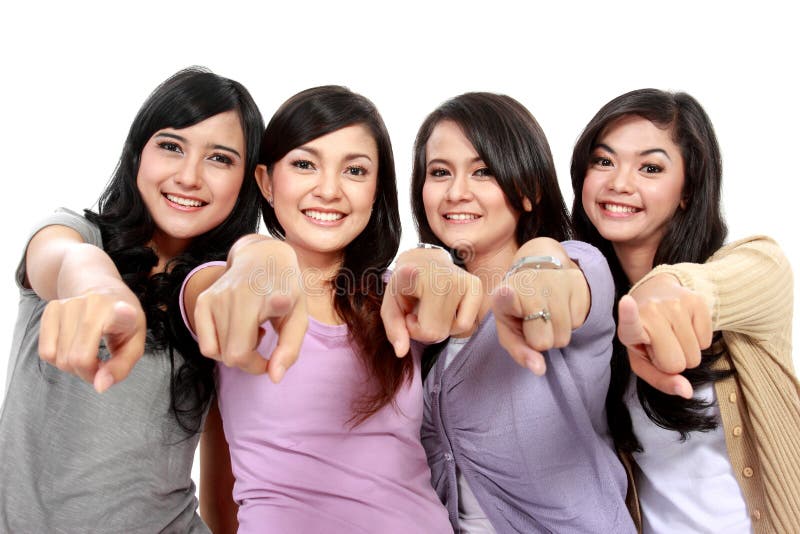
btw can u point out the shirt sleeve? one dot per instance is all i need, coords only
(595, 269)
(61, 217)
(181, 303)
(748, 286)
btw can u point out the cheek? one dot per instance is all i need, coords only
(589, 195)
(233, 188)
(431, 196)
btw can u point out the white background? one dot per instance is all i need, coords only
(75, 73)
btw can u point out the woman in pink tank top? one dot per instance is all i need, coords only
(334, 446)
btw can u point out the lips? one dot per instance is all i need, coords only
(461, 217)
(620, 209)
(323, 216)
(184, 202)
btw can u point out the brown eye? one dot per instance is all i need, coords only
(303, 164)
(602, 162)
(651, 169)
(483, 172)
(221, 158)
(356, 170)
(170, 146)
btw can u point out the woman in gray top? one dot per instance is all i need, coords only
(88, 440)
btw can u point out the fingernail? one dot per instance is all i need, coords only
(684, 390)
(398, 349)
(535, 366)
(103, 380)
(277, 374)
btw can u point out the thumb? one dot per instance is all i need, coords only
(629, 325)
(506, 305)
(404, 281)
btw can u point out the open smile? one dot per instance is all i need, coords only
(461, 218)
(183, 203)
(323, 217)
(613, 209)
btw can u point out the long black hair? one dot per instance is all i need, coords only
(693, 235)
(514, 147)
(188, 97)
(358, 284)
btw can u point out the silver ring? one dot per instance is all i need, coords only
(541, 314)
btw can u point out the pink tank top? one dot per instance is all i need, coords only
(300, 464)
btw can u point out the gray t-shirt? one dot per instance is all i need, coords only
(73, 460)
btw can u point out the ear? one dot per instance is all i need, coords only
(264, 182)
(683, 203)
(526, 204)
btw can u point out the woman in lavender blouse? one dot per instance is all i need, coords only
(510, 450)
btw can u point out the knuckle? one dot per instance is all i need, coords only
(561, 339)
(237, 359)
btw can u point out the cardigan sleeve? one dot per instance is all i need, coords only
(747, 284)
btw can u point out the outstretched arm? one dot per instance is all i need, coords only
(88, 302)
(428, 298)
(746, 288)
(226, 306)
(539, 305)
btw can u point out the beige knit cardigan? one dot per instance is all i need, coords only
(748, 286)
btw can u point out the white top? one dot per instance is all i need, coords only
(471, 518)
(686, 486)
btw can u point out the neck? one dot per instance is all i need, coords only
(318, 272)
(636, 261)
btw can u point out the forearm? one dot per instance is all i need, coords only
(84, 268)
(747, 286)
(545, 246)
(238, 248)
(573, 276)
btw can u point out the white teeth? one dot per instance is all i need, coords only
(616, 208)
(461, 216)
(184, 201)
(326, 216)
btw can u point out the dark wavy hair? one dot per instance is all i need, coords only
(188, 97)
(358, 284)
(693, 235)
(514, 147)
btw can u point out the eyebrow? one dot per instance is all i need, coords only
(183, 139)
(353, 155)
(642, 153)
(441, 161)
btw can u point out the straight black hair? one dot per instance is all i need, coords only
(513, 146)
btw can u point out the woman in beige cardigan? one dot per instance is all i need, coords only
(709, 427)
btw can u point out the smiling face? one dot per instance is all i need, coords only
(323, 191)
(464, 205)
(189, 179)
(634, 183)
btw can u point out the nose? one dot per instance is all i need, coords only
(622, 181)
(459, 189)
(189, 175)
(328, 186)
